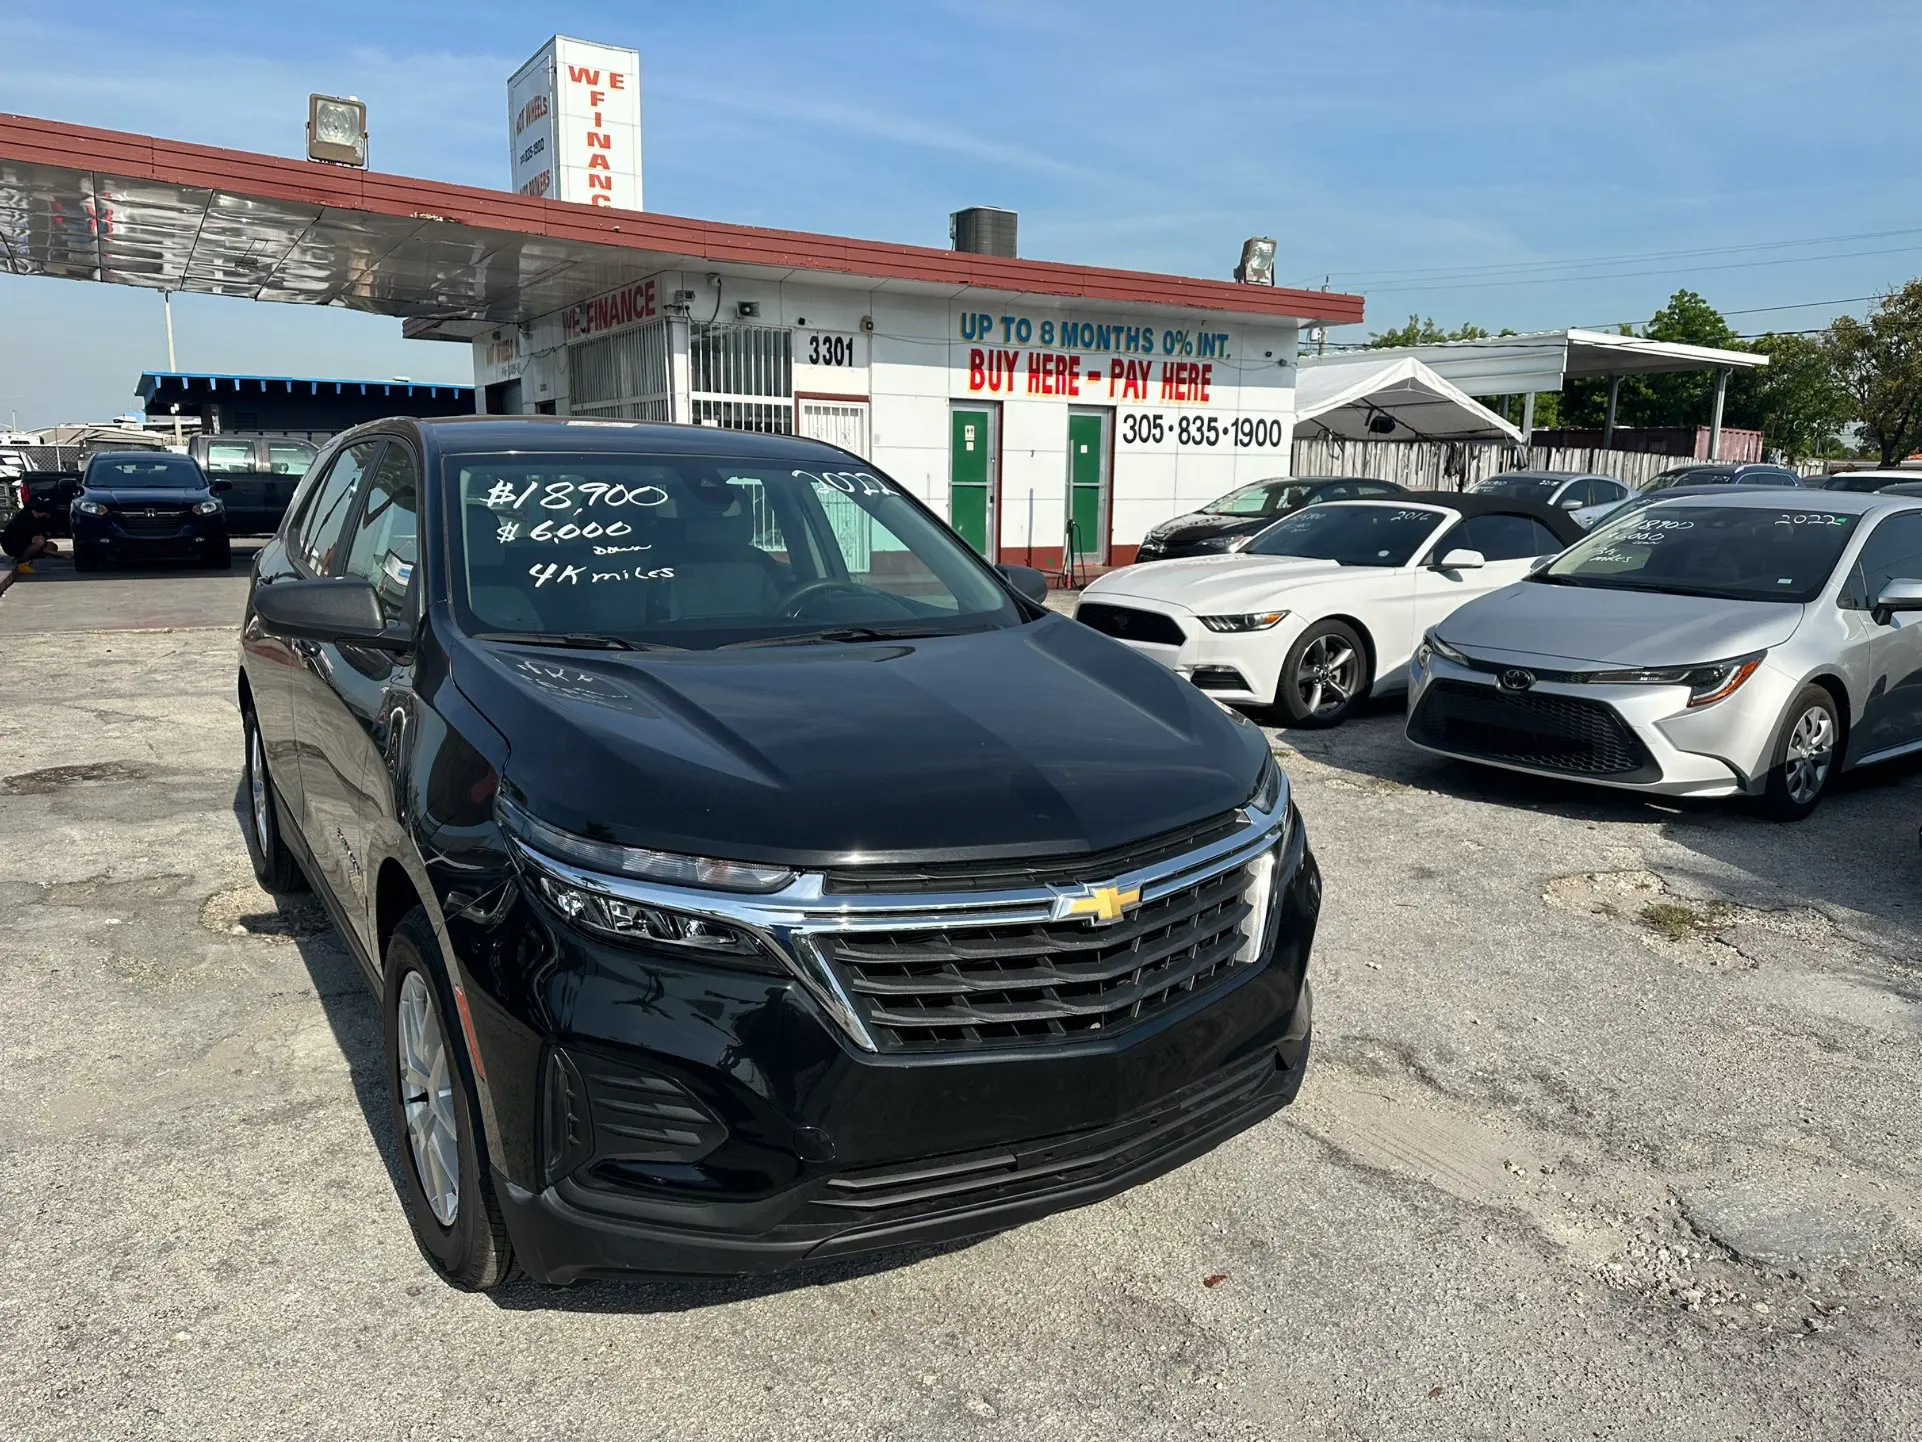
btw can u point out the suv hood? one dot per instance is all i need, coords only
(1615, 628)
(1046, 738)
(1208, 583)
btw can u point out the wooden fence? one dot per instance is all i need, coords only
(1454, 465)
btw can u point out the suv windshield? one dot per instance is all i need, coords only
(1520, 488)
(165, 472)
(1352, 535)
(704, 551)
(1737, 553)
(1263, 498)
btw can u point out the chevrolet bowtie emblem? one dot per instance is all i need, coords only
(1102, 905)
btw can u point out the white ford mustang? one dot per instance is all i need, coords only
(1325, 605)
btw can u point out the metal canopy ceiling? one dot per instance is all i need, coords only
(1340, 398)
(103, 205)
(1513, 365)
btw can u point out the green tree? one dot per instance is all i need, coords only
(1879, 363)
(1422, 330)
(1685, 398)
(1798, 400)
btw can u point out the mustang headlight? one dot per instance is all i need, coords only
(1254, 621)
(91, 508)
(666, 867)
(1707, 684)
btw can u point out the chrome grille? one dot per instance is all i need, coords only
(920, 990)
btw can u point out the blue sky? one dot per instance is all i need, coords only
(1439, 157)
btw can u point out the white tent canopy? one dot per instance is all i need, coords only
(1342, 397)
(1513, 365)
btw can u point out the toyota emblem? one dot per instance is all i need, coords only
(1516, 679)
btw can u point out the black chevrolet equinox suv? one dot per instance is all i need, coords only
(748, 871)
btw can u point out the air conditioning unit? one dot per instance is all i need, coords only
(984, 230)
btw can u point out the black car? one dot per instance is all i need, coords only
(147, 505)
(749, 872)
(1721, 473)
(261, 474)
(1218, 525)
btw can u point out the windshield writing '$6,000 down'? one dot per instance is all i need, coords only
(557, 507)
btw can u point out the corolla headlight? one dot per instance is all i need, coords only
(91, 508)
(1707, 684)
(209, 508)
(1433, 645)
(1254, 621)
(665, 867)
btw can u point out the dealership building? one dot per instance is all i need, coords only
(1042, 407)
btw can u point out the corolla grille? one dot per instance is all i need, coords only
(1125, 623)
(1554, 733)
(965, 988)
(1092, 867)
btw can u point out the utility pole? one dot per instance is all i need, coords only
(167, 304)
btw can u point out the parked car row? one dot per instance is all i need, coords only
(1734, 636)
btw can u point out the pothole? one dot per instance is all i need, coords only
(1681, 927)
(249, 911)
(120, 892)
(59, 778)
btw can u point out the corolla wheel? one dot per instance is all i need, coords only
(427, 1097)
(1805, 756)
(1811, 753)
(1324, 676)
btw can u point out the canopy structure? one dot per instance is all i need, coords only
(453, 260)
(1366, 397)
(1517, 365)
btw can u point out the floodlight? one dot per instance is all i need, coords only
(337, 130)
(1257, 261)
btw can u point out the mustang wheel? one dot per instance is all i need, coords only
(1805, 756)
(445, 1187)
(274, 865)
(1324, 676)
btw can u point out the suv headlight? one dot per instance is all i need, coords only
(623, 919)
(1254, 621)
(1268, 788)
(91, 508)
(666, 867)
(209, 508)
(1707, 684)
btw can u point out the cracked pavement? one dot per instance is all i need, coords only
(1610, 1131)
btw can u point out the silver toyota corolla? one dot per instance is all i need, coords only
(1735, 645)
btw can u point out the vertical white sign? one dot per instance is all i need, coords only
(575, 115)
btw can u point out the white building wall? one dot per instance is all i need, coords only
(1197, 403)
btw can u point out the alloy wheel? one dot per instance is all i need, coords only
(1327, 675)
(257, 789)
(1811, 751)
(427, 1097)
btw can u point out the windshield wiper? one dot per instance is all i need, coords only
(576, 640)
(839, 633)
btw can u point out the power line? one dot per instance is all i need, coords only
(1453, 272)
(1493, 284)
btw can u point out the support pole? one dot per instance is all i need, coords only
(1608, 429)
(1715, 419)
(167, 305)
(1528, 419)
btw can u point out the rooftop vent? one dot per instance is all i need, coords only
(983, 230)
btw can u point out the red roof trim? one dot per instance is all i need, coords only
(268, 177)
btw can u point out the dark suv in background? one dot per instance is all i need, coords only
(261, 474)
(751, 873)
(148, 505)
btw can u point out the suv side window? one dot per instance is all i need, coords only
(318, 535)
(1501, 537)
(1893, 552)
(386, 538)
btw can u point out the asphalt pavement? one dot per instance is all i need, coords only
(1611, 1131)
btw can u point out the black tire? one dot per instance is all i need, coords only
(274, 865)
(218, 556)
(1797, 780)
(87, 558)
(470, 1249)
(1334, 653)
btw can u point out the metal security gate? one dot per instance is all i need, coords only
(623, 376)
(741, 377)
(839, 423)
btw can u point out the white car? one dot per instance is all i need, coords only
(1326, 605)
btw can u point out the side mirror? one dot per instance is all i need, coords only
(1904, 594)
(1460, 560)
(220, 488)
(1028, 583)
(1573, 503)
(342, 609)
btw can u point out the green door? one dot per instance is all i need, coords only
(970, 476)
(1087, 458)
